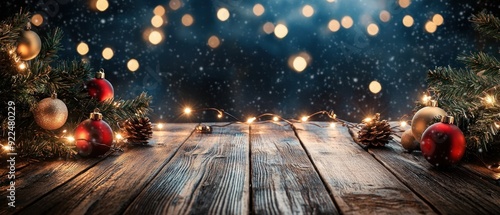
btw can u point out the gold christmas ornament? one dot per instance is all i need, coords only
(50, 113)
(424, 117)
(29, 45)
(408, 141)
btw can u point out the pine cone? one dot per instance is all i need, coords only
(137, 130)
(375, 132)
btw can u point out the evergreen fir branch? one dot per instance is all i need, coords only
(50, 46)
(117, 112)
(482, 64)
(487, 24)
(12, 29)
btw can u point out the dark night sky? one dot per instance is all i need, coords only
(249, 73)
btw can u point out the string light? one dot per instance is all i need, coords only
(22, 66)
(497, 125)
(275, 118)
(118, 136)
(251, 120)
(159, 126)
(304, 119)
(403, 124)
(70, 139)
(426, 98)
(187, 110)
(489, 99)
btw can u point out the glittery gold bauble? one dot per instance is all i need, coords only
(408, 141)
(422, 118)
(50, 113)
(29, 45)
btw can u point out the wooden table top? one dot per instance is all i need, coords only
(263, 168)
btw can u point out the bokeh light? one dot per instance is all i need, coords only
(157, 21)
(213, 42)
(223, 14)
(37, 19)
(280, 31)
(258, 10)
(408, 21)
(187, 20)
(107, 53)
(133, 65)
(330, 1)
(372, 29)
(174, 4)
(82, 48)
(299, 63)
(307, 10)
(159, 10)
(384, 16)
(347, 22)
(334, 25)
(404, 3)
(438, 19)
(430, 27)
(102, 5)
(268, 28)
(155, 37)
(375, 87)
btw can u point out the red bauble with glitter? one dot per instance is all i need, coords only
(100, 88)
(443, 144)
(93, 136)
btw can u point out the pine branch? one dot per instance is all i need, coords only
(487, 24)
(482, 63)
(50, 46)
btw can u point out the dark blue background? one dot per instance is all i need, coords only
(249, 74)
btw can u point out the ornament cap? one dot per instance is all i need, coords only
(28, 26)
(96, 115)
(432, 103)
(54, 95)
(447, 119)
(99, 74)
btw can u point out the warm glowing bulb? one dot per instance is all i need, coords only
(426, 99)
(107, 53)
(251, 119)
(403, 124)
(155, 37)
(133, 65)
(275, 118)
(367, 119)
(332, 124)
(187, 110)
(119, 136)
(102, 5)
(22, 66)
(64, 131)
(280, 31)
(219, 115)
(304, 118)
(70, 139)
(82, 48)
(6, 147)
(497, 125)
(159, 125)
(489, 99)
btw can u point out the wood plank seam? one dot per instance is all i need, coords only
(33, 201)
(354, 138)
(159, 170)
(250, 172)
(315, 167)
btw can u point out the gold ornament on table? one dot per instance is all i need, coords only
(408, 141)
(50, 113)
(29, 46)
(375, 132)
(424, 117)
(137, 130)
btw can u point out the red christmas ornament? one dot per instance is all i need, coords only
(100, 88)
(443, 144)
(93, 136)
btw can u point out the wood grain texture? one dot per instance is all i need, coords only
(38, 179)
(108, 188)
(284, 180)
(209, 174)
(451, 191)
(358, 182)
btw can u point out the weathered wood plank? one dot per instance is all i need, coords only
(451, 191)
(209, 174)
(38, 179)
(284, 180)
(110, 186)
(358, 182)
